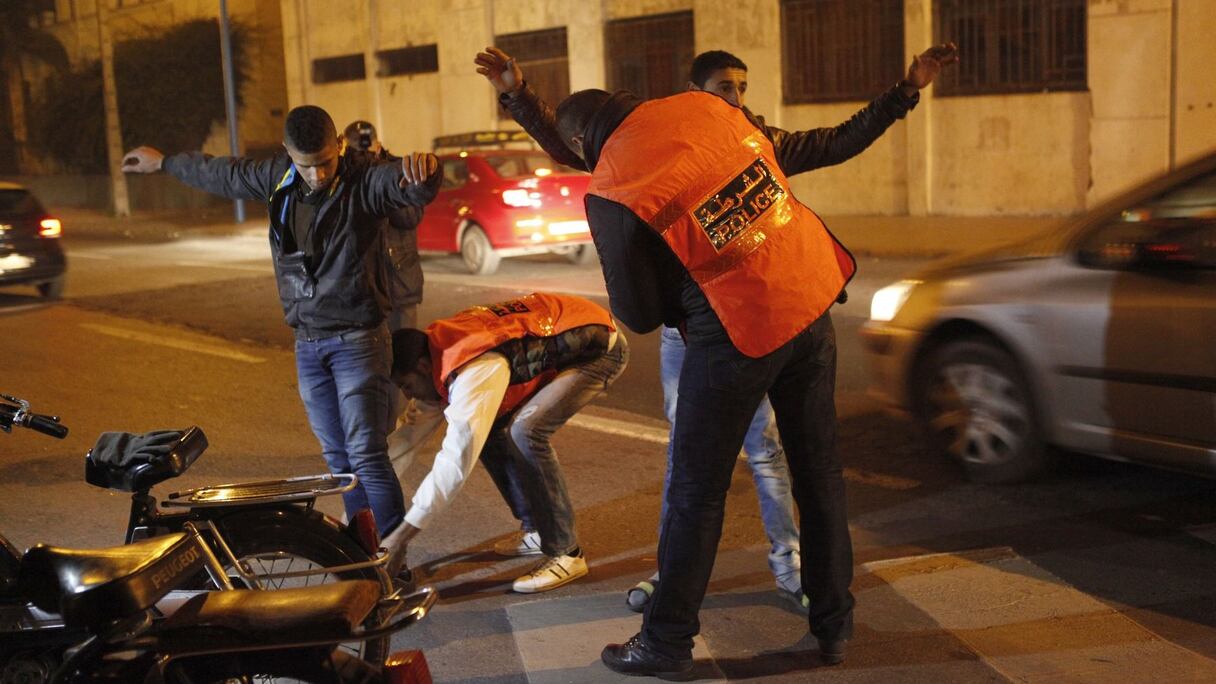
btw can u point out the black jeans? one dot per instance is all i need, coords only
(720, 389)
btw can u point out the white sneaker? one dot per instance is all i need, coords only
(551, 573)
(520, 544)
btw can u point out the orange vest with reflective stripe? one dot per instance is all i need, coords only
(458, 340)
(698, 172)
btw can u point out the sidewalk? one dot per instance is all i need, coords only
(92, 224)
(933, 236)
(873, 236)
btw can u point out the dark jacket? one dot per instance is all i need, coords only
(403, 265)
(647, 285)
(343, 286)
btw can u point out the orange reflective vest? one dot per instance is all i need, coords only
(458, 340)
(698, 172)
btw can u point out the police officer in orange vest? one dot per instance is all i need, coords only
(725, 75)
(506, 377)
(696, 226)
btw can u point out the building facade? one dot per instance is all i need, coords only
(1055, 105)
(74, 23)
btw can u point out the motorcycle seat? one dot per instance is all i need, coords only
(130, 462)
(90, 587)
(243, 618)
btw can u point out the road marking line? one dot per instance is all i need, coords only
(147, 338)
(233, 267)
(1028, 624)
(1205, 533)
(20, 308)
(88, 255)
(655, 435)
(622, 428)
(559, 639)
(866, 477)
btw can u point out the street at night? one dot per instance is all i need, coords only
(568, 342)
(1096, 569)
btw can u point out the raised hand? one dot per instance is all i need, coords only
(499, 69)
(927, 65)
(417, 167)
(142, 160)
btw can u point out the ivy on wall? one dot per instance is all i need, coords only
(170, 94)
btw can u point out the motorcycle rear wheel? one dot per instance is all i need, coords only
(279, 540)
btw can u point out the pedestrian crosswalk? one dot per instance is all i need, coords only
(1031, 626)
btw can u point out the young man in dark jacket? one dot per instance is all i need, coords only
(402, 265)
(327, 213)
(730, 273)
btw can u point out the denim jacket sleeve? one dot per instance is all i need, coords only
(232, 177)
(799, 151)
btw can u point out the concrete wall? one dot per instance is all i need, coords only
(1148, 105)
(157, 192)
(1194, 99)
(1130, 43)
(1010, 154)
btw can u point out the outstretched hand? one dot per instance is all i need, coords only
(500, 70)
(927, 65)
(417, 167)
(142, 160)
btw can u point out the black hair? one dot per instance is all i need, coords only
(707, 63)
(309, 129)
(575, 112)
(409, 345)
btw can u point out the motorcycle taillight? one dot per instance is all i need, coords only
(407, 667)
(363, 525)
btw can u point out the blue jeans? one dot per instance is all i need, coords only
(765, 457)
(347, 393)
(521, 461)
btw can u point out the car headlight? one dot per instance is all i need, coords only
(887, 301)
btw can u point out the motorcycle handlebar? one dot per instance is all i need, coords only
(17, 416)
(47, 425)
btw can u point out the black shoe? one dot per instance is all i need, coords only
(639, 595)
(404, 582)
(636, 658)
(832, 652)
(796, 598)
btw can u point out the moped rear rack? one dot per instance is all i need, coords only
(262, 492)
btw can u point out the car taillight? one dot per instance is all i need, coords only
(407, 667)
(50, 227)
(521, 197)
(363, 527)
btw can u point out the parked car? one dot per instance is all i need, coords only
(29, 243)
(1098, 337)
(497, 202)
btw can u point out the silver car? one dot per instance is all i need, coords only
(1099, 337)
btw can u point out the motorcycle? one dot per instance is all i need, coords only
(172, 602)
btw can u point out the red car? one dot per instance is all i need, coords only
(503, 202)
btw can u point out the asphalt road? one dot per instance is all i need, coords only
(1102, 572)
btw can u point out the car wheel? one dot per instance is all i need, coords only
(51, 289)
(478, 254)
(974, 404)
(582, 255)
